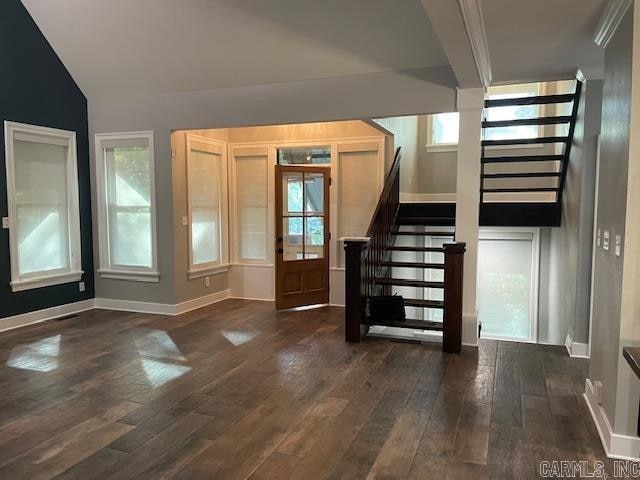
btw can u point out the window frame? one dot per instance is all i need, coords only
(222, 265)
(438, 147)
(107, 269)
(74, 272)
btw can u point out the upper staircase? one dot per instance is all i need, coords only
(519, 187)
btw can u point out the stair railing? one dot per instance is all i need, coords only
(364, 255)
(364, 258)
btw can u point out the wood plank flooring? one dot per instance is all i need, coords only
(239, 391)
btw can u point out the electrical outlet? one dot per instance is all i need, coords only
(81, 286)
(5, 222)
(605, 241)
(207, 282)
(618, 246)
(185, 221)
(599, 238)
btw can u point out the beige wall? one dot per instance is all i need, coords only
(405, 135)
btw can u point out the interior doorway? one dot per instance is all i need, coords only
(302, 235)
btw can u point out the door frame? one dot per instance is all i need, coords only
(278, 256)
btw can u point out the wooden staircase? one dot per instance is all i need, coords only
(406, 253)
(511, 183)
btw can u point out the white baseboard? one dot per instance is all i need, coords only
(196, 303)
(133, 306)
(161, 308)
(618, 446)
(24, 319)
(576, 349)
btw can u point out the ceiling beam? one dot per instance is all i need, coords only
(449, 25)
(474, 23)
(610, 20)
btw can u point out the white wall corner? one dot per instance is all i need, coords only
(474, 24)
(470, 329)
(470, 99)
(615, 445)
(610, 20)
(592, 72)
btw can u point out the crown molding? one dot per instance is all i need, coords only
(474, 24)
(592, 72)
(610, 20)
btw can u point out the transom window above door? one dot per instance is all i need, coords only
(304, 156)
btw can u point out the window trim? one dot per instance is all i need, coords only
(106, 269)
(222, 265)
(47, 278)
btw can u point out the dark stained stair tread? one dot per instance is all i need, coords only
(425, 234)
(412, 324)
(524, 141)
(534, 100)
(414, 302)
(523, 158)
(417, 249)
(402, 282)
(437, 266)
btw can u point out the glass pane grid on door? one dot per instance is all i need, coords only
(303, 216)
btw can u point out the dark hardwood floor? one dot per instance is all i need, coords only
(237, 390)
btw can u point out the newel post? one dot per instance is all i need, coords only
(453, 274)
(355, 298)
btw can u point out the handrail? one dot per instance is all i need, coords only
(364, 257)
(387, 189)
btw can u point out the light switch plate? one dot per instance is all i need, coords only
(81, 286)
(618, 246)
(185, 221)
(5, 222)
(605, 241)
(599, 238)
(207, 282)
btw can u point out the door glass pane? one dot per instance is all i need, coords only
(292, 228)
(314, 237)
(504, 288)
(314, 193)
(292, 195)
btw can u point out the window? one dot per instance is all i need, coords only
(512, 112)
(206, 185)
(126, 206)
(304, 156)
(252, 205)
(42, 196)
(507, 295)
(443, 130)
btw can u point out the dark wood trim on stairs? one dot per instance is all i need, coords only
(524, 158)
(524, 141)
(534, 100)
(453, 278)
(526, 122)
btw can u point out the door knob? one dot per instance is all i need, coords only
(280, 250)
(279, 239)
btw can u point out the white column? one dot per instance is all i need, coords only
(470, 105)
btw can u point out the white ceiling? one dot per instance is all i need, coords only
(541, 39)
(170, 45)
